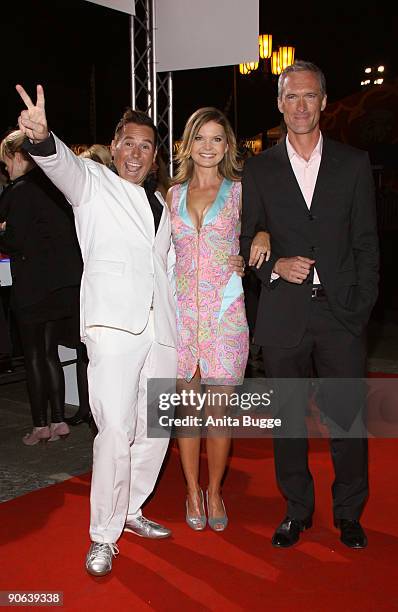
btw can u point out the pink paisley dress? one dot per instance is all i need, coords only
(212, 329)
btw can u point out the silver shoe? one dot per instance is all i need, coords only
(145, 528)
(217, 523)
(99, 558)
(197, 523)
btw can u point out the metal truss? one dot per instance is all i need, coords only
(151, 92)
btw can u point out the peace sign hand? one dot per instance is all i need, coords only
(33, 122)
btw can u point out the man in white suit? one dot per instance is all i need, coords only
(127, 314)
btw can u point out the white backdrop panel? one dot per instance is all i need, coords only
(126, 6)
(71, 393)
(204, 33)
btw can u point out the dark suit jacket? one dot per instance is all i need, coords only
(339, 232)
(40, 239)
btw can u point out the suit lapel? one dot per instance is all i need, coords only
(163, 218)
(142, 209)
(323, 192)
(288, 178)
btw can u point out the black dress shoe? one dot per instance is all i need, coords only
(352, 534)
(288, 532)
(78, 419)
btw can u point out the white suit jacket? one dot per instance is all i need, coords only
(126, 266)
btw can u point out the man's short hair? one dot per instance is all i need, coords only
(138, 117)
(302, 66)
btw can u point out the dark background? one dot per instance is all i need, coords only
(63, 44)
(59, 43)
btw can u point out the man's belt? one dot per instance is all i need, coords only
(318, 292)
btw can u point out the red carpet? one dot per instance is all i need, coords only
(44, 541)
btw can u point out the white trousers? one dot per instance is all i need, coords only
(126, 463)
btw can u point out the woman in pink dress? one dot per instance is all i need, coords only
(213, 336)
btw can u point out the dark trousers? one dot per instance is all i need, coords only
(330, 350)
(44, 373)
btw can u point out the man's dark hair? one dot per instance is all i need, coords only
(132, 115)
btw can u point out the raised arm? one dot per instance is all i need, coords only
(78, 179)
(33, 121)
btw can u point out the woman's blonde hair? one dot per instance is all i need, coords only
(11, 144)
(99, 153)
(229, 167)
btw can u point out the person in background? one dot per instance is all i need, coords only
(5, 339)
(161, 172)
(99, 153)
(317, 198)
(4, 178)
(39, 236)
(212, 331)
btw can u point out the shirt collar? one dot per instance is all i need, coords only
(293, 153)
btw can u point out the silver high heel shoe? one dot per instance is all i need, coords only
(197, 523)
(217, 523)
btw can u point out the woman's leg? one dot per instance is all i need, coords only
(55, 373)
(218, 446)
(33, 344)
(189, 448)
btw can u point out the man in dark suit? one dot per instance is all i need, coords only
(316, 198)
